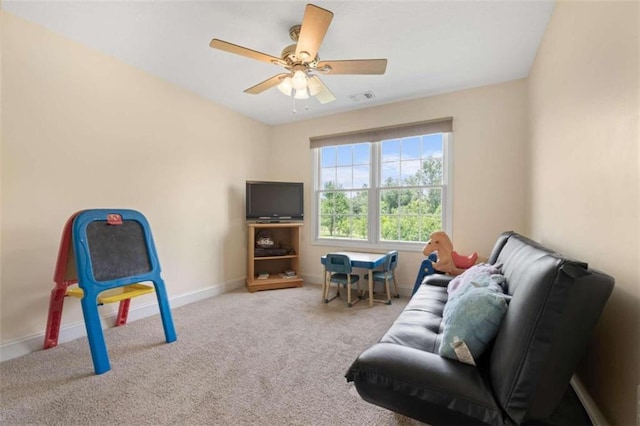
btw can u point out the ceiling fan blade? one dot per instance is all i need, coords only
(312, 31)
(324, 95)
(243, 51)
(354, 66)
(267, 84)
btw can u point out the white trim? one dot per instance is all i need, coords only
(447, 187)
(595, 415)
(313, 232)
(74, 331)
(374, 195)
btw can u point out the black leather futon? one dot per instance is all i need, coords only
(553, 306)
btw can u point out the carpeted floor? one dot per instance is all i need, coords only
(271, 357)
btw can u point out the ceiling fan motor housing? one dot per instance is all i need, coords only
(289, 56)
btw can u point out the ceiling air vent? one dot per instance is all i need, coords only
(359, 97)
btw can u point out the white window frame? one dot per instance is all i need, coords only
(374, 241)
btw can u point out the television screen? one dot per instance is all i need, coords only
(275, 200)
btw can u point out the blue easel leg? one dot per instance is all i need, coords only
(165, 311)
(94, 333)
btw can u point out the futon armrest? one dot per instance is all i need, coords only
(395, 374)
(439, 280)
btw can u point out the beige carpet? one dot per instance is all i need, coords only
(267, 358)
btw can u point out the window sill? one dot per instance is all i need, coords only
(367, 246)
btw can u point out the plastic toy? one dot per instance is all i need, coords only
(448, 261)
(107, 253)
(426, 268)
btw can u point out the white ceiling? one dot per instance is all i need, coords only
(431, 46)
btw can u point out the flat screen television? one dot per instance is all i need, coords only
(274, 201)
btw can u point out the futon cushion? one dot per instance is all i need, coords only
(419, 324)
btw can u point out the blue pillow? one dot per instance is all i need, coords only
(472, 322)
(494, 281)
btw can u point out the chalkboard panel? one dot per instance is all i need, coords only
(117, 251)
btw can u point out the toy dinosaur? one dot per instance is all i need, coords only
(448, 261)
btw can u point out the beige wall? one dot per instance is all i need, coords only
(83, 130)
(489, 156)
(585, 185)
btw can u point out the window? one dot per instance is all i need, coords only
(385, 191)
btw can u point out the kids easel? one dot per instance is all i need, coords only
(110, 251)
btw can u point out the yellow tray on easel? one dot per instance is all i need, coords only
(115, 294)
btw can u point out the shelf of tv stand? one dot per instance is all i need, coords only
(285, 232)
(273, 283)
(286, 256)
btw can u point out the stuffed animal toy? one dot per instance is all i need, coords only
(448, 261)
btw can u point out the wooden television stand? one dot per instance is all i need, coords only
(283, 233)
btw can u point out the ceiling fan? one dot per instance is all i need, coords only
(301, 60)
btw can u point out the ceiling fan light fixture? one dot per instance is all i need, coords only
(314, 86)
(286, 86)
(299, 80)
(302, 94)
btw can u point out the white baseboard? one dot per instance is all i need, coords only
(595, 415)
(74, 331)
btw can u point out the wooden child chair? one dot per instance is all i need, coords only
(387, 273)
(338, 267)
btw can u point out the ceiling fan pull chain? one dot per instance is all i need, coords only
(294, 104)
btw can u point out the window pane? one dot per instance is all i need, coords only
(432, 145)
(430, 224)
(361, 176)
(359, 202)
(328, 226)
(328, 178)
(431, 202)
(343, 226)
(361, 153)
(390, 174)
(344, 178)
(409, 228)
(327, 203)
(345, 157)
(410, 201)
(390, 150)
(389, 201)
(328, 156)
(411, 148)
(343, 214)
(432, 170)
(388, 228)
(360, 227)
(410, 172)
